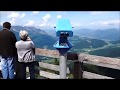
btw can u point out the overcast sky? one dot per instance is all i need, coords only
(78, 19)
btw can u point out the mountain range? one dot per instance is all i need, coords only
(111, 34)
(39, 37)
(97, 42)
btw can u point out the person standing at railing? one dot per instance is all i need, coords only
(26, 55)
(8, 51)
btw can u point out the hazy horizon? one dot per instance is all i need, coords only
(73, 29)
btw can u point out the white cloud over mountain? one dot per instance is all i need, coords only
(30, 23)
(35, 12)
(59, 16)
(107, 22)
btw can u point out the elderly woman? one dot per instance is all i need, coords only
(26, 55)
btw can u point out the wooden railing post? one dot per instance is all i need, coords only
(77, 70)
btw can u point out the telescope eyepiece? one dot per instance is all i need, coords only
(64, 34)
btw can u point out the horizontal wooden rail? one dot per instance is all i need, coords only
(47, 53)
(108, 62)
(82, 57)
(113, 63)
(89, 75)
(102, 65)
(49, 75)
(51, 67)
(46, 74)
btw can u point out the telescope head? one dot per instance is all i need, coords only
(63, 28)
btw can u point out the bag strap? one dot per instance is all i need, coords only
(26, 53)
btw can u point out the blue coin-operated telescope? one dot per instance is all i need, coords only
(63, 31)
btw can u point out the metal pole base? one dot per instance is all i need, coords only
(63, 67)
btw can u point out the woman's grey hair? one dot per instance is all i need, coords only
(23, 34)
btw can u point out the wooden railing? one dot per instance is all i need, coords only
(52, 54)
(47, 74)
(79, 60)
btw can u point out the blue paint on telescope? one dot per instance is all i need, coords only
(63, 30)
(63, 26)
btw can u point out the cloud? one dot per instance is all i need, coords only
(7, 14)
(98, 12)
(35, 12)
(52, 25)
(62, 12)
(1, 24)
(106, 23)
(46, 17)
(76, 24)
(30, 23)
(12, 21)
(22, 15)
(43, 24)
(59, 16)
(13, 15)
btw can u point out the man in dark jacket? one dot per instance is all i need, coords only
(8, 51)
